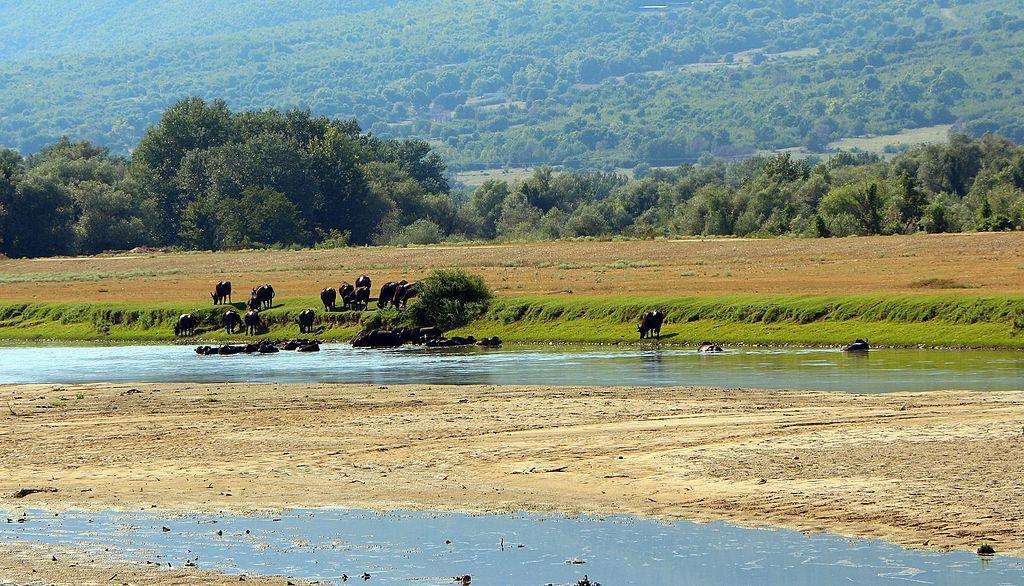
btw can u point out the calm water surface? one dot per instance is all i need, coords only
(411, 548)
(878, 371)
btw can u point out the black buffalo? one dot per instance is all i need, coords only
(329, 297)
(857, 346)
(362, 298)
(231, 321)
(403, 293)
(347, 293)
(305, 320)
(253, 323)
(387, 293)
(650, 324)
(186, 325)
(221, 293)
(364, 281)
(263, 297)
(378, 339)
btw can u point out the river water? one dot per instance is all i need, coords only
(782, 368)
(430, 549)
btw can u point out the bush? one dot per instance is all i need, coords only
(421, 231)
(449, 299)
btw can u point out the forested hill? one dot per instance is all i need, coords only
(523, 82)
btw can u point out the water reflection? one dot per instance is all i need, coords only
(877, 371)
(425, 548)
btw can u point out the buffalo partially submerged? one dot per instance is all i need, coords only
(650, 324)
(857, 346)
(306, 319)
(387, 293)
(263, 297)
(231, 321)
(347, 294)
(186, 325)
(253, 323)
(329, 297)
(709, 348)
(221, 293)
(378, 339)
(403, 293)
(364, 281)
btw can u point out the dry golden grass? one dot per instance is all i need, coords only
(987, 263)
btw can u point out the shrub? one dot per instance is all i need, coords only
(421, 231)
(449, 299)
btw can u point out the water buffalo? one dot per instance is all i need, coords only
(387, 293)
(403, 293)
(709, 348)
(263, 296)
(347, 293)
(186, 325)
(857, 346)
(364, 281)
(253, 323)
(231, 321)
(650, 324)
(377, 339)
(305, 320)
(362, 298)
(329, 297)
(221, 293)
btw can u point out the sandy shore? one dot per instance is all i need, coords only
(929, 470)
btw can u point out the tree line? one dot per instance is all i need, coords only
(207, 178)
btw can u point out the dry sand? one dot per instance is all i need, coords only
(930, 470)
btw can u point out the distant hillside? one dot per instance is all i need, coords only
(524, 82)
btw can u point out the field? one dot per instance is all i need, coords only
(907, 138)
(944, 290)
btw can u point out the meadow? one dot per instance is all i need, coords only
(940, 290)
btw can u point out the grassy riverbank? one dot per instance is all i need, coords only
(930, 320)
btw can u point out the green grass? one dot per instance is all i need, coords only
(954, 320)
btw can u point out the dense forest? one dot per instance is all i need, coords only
(205, 177)
(587, 84)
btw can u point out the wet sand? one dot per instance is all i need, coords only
(936, 470)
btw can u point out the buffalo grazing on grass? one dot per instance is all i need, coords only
(650, 324)
(221, 293)
(253, 323)
(329, 297)
(186, 325)
(305, 320)
(231, 321)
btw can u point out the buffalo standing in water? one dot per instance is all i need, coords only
(305, 320)
(362, 298)
(347, 293)
(231, 321)
(186, 325)
(403, 293)
(253, 323)
(221, 293)
(650, 324)
(329, 297)
(387, 293)
(364, 281)
(263, 296)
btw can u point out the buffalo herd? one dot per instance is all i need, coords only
(346, 297)
(396, 294)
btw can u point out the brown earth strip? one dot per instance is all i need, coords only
(984, 263)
